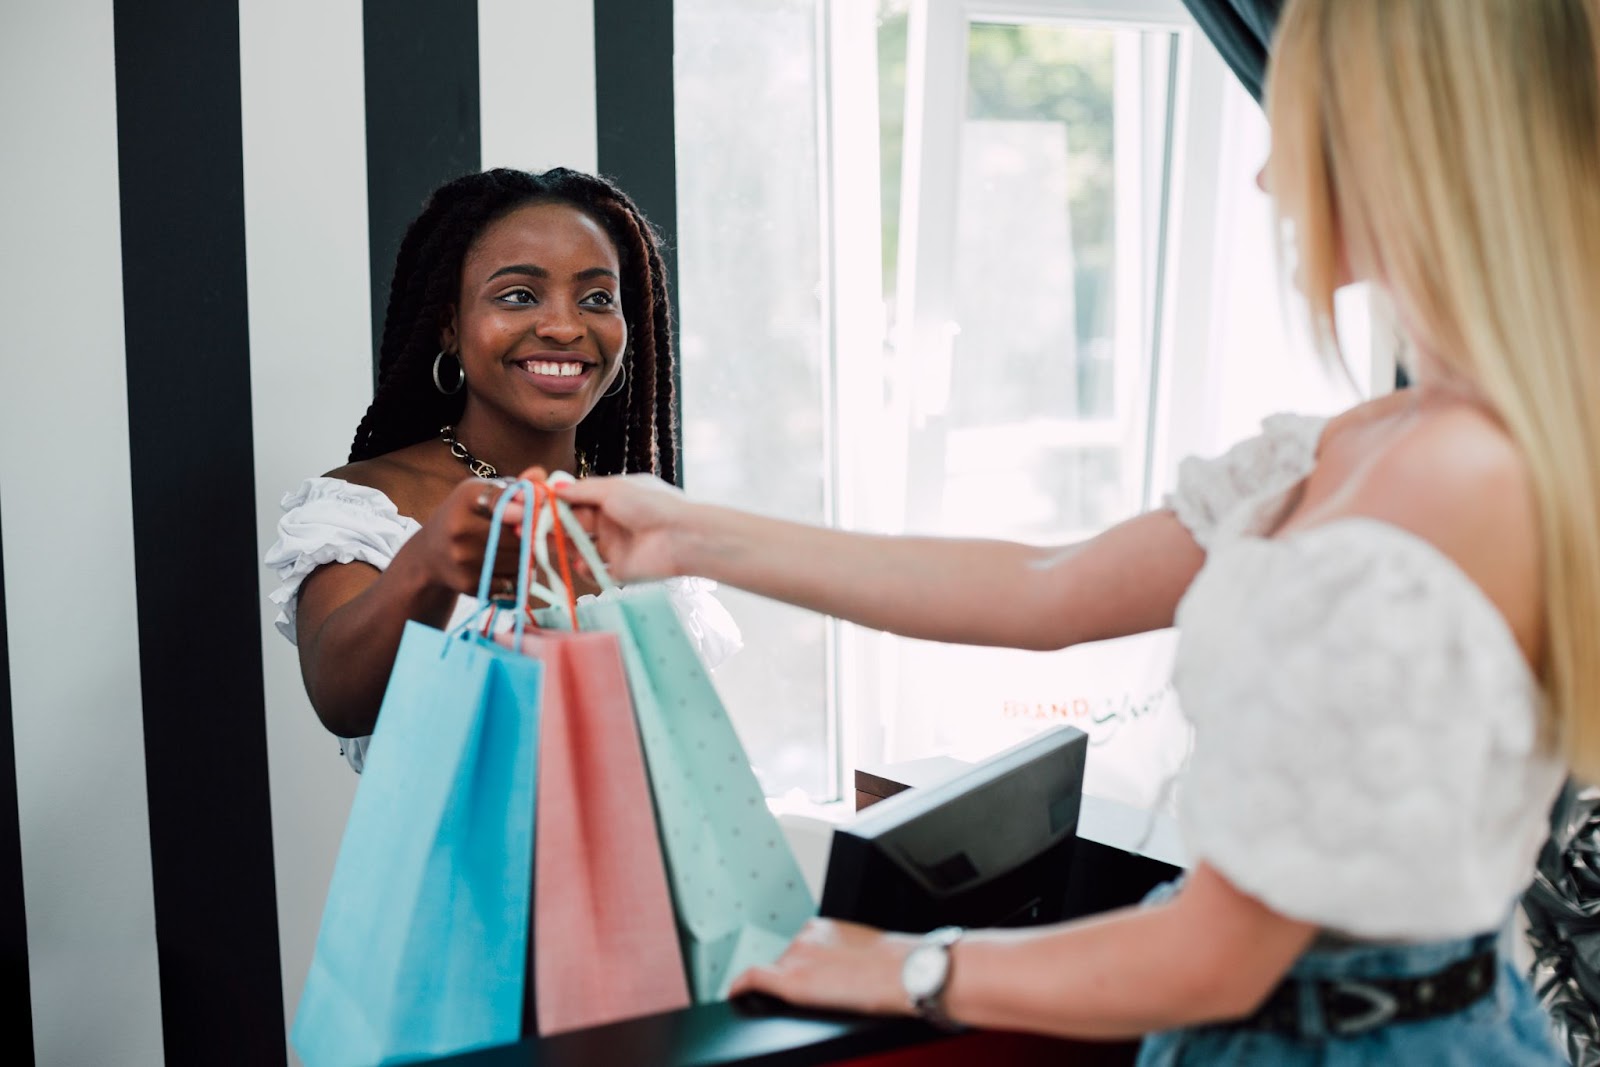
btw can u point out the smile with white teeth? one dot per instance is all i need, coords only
(554, 370)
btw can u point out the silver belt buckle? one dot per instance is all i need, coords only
(1381, 1007)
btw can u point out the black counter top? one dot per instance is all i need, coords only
(1119, 857)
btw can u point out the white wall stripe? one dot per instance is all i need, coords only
(64, 450)
(64, 474)
(536, 84)
(311, 378)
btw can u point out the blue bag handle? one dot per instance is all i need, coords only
(534, 540)
(525, 582)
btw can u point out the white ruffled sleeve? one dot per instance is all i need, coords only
(1213, 491)
(713, 630)
(1366, 751)
(328, 520)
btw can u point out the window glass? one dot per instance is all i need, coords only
(749, 284)
(1038, 414)
(1032, 424)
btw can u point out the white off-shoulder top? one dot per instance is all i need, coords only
(1367, 753)
(328, 520)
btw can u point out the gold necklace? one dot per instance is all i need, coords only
(480, 469)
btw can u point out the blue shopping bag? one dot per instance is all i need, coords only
(424, 934)
(737, 890)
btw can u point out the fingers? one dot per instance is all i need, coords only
(485, 494)
(482, 494)
(483, 506)
(481, 509)
(468, 530)
(534, 475)
(587, 492)
(587, 518)
(757, 980)
(484, 503)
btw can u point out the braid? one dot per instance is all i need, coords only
(666, 374)
(633, 430)
(637, 429)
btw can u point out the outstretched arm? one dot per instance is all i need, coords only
(1209, 954)
(1127, 580)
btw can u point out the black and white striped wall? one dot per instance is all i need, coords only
(199, 203)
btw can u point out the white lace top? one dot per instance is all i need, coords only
(1366, 752)
(328, 520)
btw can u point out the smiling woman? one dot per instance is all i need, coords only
(528, 325)
(504, 266)
(538, 332)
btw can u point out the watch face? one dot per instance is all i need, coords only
(924, 971)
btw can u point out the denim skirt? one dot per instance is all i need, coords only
(1506, 1027)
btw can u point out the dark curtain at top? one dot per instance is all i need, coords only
(1241, 31)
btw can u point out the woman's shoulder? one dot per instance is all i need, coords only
(1453, 476)
(1429, 465)
(409, 477)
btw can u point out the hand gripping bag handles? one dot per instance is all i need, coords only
(737, 891)
(423, 940)
(605, 946)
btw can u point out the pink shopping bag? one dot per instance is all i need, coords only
(604, 941)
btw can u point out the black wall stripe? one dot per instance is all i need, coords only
(634, 113)
(194, 530)
(13, 909)
(423, 124)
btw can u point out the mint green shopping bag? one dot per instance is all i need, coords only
(737, 890)
(424, 934)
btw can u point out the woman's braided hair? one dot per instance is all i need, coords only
(633, 430)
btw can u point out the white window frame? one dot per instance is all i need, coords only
(851, 292)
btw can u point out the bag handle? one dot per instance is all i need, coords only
(573, 530)
(546, 514)
(525, 582)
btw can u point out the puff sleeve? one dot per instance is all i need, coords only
(1219, 493)
(1367, 754)
(710, 626)
(328, 520)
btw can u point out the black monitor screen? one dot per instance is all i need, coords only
(990, 847)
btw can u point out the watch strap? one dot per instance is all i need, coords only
(930, 1006)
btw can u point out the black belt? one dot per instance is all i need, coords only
(1355, 1006)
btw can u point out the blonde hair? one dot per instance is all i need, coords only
(1451, 150)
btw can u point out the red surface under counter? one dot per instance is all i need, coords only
(1005, 1050)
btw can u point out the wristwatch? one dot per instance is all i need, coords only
(925, 974)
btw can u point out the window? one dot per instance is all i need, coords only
(975, 268)
(754, 350)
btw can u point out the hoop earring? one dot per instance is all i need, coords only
(622, 379)
(438, 383)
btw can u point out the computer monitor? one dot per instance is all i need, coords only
(990, 847)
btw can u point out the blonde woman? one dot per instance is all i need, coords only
(1387, 619)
